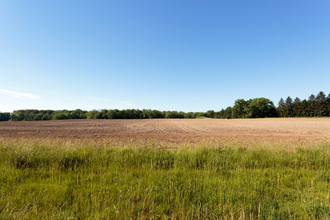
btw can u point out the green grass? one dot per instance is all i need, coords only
(62, 180)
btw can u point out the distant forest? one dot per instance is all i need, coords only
(314, 106)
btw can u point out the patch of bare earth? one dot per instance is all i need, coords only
(174, 130)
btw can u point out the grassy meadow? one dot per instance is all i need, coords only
(79, 180)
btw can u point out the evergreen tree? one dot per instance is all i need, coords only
(288, 107)
(311, 105)
(320, 105)
(281, 107)
(305, 111)
(320, 97)
(296, 108)
(327, 104)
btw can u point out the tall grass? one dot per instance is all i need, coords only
(63, 180)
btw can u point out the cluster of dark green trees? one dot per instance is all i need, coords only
(4, 116)
(38, 115)
(253, 108)
(315, 106)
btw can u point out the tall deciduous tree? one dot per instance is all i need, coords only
(261, 108)
(241, 108)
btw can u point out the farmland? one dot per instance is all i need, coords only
(165, 169)
(177, 131)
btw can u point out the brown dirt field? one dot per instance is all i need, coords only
(175, 131)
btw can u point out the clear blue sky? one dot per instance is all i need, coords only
(188, 55)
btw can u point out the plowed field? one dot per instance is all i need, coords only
(174, 130)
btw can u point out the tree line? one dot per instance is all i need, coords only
(314, 106)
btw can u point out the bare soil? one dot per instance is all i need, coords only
(174, 130)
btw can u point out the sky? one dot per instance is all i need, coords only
(185, 55)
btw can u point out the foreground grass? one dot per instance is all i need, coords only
(75, 181)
